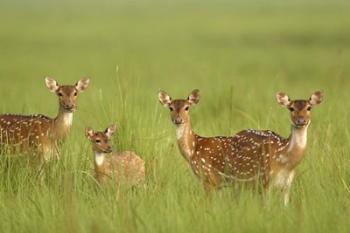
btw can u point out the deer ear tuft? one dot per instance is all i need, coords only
(110, 130)
(82, 84)
(316, 98)
(193, 98)
(89, 132)
(164, 98)
(51, 84)
(283, 99)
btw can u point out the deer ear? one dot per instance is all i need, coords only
(316, 98)
(82, 84)
(283, 99)
(110, 130)
(193, 98)
(51, 84)
(89, 132)
(164, 98)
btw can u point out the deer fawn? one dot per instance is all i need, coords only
(125, 167)
(249, 156)
(40, 134)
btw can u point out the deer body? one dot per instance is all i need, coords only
(40, 134)
(124, 167)
(250, 156)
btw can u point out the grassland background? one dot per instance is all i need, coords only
(237, 53)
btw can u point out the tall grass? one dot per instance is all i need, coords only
(237, 54)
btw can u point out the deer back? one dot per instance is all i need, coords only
(19, 133)
(247, 156)
(124, 167)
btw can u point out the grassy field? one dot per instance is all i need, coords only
(238, 54)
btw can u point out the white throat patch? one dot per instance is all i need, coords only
(99, 158)
(180, 131)
(68, 119)
(186, 146)
(299, 138)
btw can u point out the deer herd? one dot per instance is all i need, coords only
(257, 158)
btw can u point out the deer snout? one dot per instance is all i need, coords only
(69, 106)
(109, 149)
(178, 121)
(300, 121)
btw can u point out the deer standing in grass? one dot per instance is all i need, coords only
(39, 134)
(250, 156)
(125, 167)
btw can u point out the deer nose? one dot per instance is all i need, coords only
(178, 120)
(69, 106)
(109, 149)
(300, 121)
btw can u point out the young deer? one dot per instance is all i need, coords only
(250, 156)
(124, 166)
(40, 134)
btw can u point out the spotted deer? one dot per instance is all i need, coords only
(250, 156)
(39, 134)
(124, 167)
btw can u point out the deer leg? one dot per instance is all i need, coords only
(208, 186)
(211, 183)
(286, 189)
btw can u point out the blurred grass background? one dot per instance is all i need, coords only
(238, 53)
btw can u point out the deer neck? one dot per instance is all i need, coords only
(297, 143)
(62, 124)
(186, 140)
(99, 159)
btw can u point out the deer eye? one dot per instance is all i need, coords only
(186, 109)
(60, 94)
(75, 93)
(309, 108)
(291, 109)
(171, 108)
(97, 140)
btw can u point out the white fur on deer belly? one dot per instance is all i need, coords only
(68, 119)
(99, 159)
(283, 178)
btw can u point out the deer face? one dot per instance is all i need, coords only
(67, 94)
(100, 140)
(300, 110)
(179, 109)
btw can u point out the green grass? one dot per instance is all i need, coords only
(238, 54)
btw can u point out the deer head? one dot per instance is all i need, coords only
(179, 109)
(67, 94)
(100, 140)
(300, 109)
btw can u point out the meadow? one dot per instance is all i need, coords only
(238, 54)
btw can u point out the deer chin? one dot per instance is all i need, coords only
(107, 151)
(301, 126)
(70, 110)
(177, 123)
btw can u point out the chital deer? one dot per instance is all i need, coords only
(125, 167)
(39, 134)
(249, 156)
